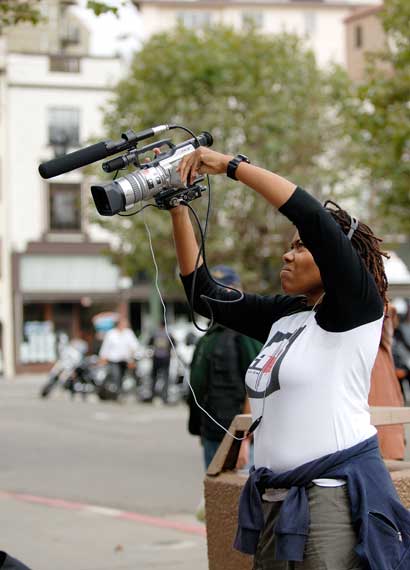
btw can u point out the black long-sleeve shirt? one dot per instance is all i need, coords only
(314, 369)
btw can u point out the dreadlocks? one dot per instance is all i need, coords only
(367, 245)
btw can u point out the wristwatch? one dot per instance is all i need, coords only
(234, 163)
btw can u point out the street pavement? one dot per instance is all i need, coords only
(88, 485)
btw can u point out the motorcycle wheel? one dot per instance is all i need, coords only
(108, 391)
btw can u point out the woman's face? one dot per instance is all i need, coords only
(300, 275)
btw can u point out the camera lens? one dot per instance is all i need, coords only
(108, 199)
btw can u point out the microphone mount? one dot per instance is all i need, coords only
(133, 156)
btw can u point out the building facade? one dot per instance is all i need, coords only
(364, 35)
(321, 22)
(54, 274)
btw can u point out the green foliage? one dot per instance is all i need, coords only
(396, 23)
(100, 8)
(13, 12)
(378, 120)
(264, 96)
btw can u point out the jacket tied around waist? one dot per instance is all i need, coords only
(381, 522)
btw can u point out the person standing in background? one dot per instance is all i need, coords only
(161, 358)
(118, 351)
(385, 389)
(401, 347)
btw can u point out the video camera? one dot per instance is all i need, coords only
(156, 179)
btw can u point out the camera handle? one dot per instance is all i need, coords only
(132, 157)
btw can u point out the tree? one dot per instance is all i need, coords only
(377, 116)
(261, 95)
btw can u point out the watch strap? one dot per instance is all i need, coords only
(234, 163)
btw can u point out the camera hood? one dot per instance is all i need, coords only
(108, 199)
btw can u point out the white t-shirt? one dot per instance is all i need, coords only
(316, 390)
(119, 345)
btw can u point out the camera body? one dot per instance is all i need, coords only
(157, 179)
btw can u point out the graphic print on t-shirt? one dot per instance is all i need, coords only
(262, 378)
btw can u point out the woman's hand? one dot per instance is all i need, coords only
(202, 161)
(243, 457)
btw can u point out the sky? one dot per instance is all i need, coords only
(396, 269)
(111, 35)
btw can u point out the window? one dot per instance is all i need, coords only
(252, 19)
(310, 22)
(65, 207)
(194, 19)
(70, 35)
(63, 128)
(64, 63)
(358, 36)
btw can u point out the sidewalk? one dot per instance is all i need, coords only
(54, 534)
(74, 537)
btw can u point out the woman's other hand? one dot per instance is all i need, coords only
(202, 161)
(243, 457)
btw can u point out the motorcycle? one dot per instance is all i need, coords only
(110, 386)
(177, 386)
(73, 371)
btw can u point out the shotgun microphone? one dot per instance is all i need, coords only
(74, 160)
(98, 151)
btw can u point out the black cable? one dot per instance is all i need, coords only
(140, 210)
(205, 298)
(201, 249)
(193, 135)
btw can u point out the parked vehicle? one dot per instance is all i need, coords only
(70, 371)
(185, 336)
(81, 374)
(109, 385)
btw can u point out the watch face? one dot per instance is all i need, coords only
(243, 158)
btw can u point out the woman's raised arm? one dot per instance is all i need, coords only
(275, 189)
(186, 245)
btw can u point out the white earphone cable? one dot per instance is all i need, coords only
(172, 343)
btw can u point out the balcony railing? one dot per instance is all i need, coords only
(64, 63)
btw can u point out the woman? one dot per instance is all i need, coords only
(320, 496)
